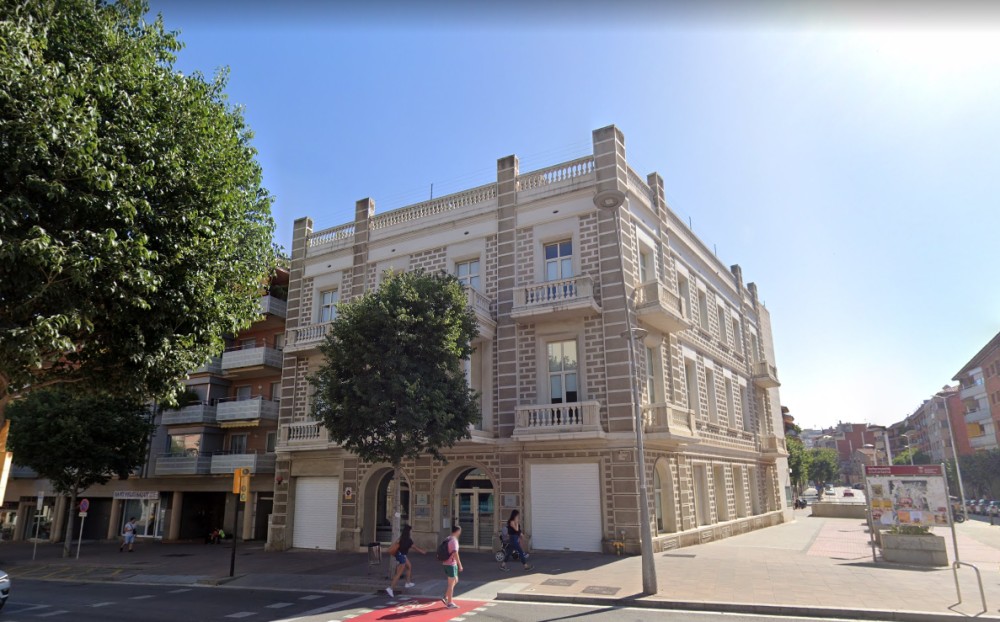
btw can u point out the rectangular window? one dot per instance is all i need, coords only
(651, 376)
(713, 403)
(468, 273)
(279, 341)
(737, 336)
(645, 265)
(184, 444)
(721, 499)
(703, 310)
(747, 427)
(684, 291)
(244, 392)
(276, 391)
(563, 372)
(238, 443)
(328, 305)
(272, 441)
(559, 260)
(691, 377)
(730, 403)
(723, 325)
(248, 343)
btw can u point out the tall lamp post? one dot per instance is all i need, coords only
(954, 454)
(610, 201)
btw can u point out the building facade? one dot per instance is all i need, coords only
(554, 281)
(979, 389)
(227, 420)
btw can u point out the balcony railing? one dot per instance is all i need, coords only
(303, 435)
(257, 463)
(482, 306)
(197, 414)
(773, 446)
(243, 357)
(972, 390)
(660, 308)
(568, 298)
(183, 464)
(765, 375)
(269, 305)
(213, 366)
(667, 422)
(254, 408)
(980, 414)
(308, 337)
(557, 421)
(23, 472)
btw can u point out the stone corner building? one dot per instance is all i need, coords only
(551, 283)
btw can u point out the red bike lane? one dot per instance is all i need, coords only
(422, 609)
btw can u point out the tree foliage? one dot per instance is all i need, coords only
(78, 439)
(824, 465)
(798, 462)
(134, 230)
(392, 386)
(919, 457)
(981, 473)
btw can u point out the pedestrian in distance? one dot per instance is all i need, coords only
(514, 534)
(129, 535)
(400, 549)
(452, 565)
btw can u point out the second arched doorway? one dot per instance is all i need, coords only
(474, 508)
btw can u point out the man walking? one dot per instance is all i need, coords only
(129, 533)
(452, 566)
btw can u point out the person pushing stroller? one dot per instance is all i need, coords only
(512, 532)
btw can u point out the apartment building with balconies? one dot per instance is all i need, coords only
(979, 390)
(554, 281)
(227, 420)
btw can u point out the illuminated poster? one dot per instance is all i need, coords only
(907, 495)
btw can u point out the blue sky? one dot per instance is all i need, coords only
(847, 161)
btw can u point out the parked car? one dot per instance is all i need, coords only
(858, 487)
(980, 507)
(4, 588)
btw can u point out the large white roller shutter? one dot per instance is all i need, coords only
(565, 507)
(316, 513)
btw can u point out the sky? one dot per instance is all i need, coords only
(846, 158)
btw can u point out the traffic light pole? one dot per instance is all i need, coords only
(236, 522)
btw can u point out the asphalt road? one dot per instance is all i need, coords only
(123, 602)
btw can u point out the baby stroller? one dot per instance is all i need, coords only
(505, 547)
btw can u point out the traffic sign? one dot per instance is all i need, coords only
(84, 505)
(237, 476)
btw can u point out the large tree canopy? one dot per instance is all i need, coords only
(77, 439)
(824, 465)
(392, 386)
(134, 231)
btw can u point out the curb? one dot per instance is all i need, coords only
(882, 615)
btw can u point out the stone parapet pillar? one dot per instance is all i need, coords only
(176, 503)
(115, 519)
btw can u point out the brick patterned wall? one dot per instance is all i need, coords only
(306, 305)
(528, 391)
(432, 261)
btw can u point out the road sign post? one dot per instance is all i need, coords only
(241, 487)
(84, 506)
(38, 521)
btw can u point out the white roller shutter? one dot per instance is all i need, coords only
(566, 507)
(316, 513)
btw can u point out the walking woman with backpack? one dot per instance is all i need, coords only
(514, 533)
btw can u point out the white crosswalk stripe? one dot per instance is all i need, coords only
(279, 605)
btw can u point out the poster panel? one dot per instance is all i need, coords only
(907, 495)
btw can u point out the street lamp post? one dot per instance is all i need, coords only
(954, 455)
(610, 201)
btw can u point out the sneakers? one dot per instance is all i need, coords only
(451, 606)
(388, 591)
(504, 568)
(528, 566)
(409, 584)
(445, 601)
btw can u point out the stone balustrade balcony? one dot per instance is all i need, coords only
(773, 446)
(483, 308)
(558, 421)
(303, 436)
(765, 375)
(669, 423)
(555, 300)
(657, 306)
(307, 339)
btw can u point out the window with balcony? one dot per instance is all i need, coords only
(238, 443)
(244, 392)
(646, 272)
(563, 372)
(684, 292)
(328, 300)
(468, 273)
(184, 444)
(558, 260)
(703, 310)
(652, 367)
(691, 380)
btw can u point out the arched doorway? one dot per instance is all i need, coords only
(379, 505)
(474, 508)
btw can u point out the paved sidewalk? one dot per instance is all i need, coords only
(813, 566)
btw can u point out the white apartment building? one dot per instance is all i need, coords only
(554, 281)
(979, 422)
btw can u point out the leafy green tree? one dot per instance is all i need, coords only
(78, 439)
(134, 230)
(824, 465)
(798, 463)
(392, 386)
(919, 457)
(981, 473)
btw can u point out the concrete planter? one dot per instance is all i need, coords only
(923, 550)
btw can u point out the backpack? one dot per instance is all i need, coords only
(444, 551)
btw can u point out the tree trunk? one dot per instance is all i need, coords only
(397, 500)
(68, 540)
